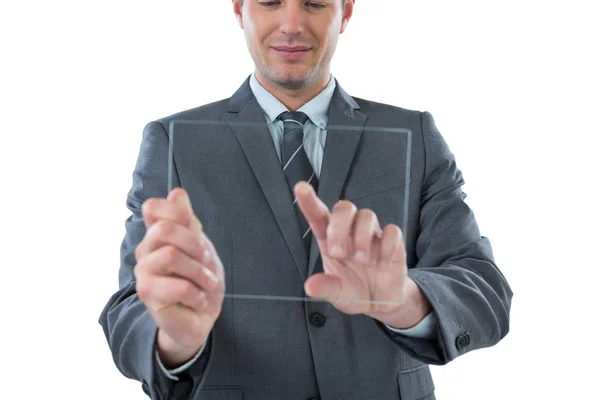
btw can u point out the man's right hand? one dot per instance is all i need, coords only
(177, 265)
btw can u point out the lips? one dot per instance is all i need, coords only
(291, 53)
(291, 48)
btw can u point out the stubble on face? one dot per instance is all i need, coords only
(288, 74)
(292, 78)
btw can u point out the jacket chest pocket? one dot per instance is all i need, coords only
(363, 187)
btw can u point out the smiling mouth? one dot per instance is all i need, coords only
(291, 49)
(291, 53)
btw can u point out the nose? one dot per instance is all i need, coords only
(292, 19)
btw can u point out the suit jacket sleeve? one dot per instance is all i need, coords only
(455, 270)
(128, 327)
(172, 373)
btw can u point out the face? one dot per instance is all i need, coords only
(292, 41)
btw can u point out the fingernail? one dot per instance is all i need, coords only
(206, 256)
(182, 200)
(211, 275)
(337, 250)
(359, 256)
(329, 230)
(303, 189)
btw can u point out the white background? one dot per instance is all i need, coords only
(513, 86)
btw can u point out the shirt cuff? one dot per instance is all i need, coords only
(423, 330)
(171, 373)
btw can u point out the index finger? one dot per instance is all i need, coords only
(314, 210)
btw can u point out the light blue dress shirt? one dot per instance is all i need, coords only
(315, 133)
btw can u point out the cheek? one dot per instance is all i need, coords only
(252, 36)
(334, 31)
(260, 36)
(329, 36)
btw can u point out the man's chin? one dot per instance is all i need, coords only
(292, 79)
(293, 84)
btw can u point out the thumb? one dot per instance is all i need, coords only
(323, 286)
(181, 197)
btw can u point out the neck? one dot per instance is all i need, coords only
(293, 99)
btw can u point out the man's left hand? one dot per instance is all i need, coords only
(365, 266)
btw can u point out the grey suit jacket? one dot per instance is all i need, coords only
(279, 349)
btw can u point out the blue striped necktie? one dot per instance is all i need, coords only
(296, 165)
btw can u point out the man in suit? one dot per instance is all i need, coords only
(271, 201)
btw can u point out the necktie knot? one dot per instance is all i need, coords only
(293, 117)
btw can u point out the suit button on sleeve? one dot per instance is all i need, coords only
(463, 340)
(145, 388)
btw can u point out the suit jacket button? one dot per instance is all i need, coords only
(145, 388)
(317, 319)
(463, 340)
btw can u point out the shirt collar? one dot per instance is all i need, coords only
(316, 109)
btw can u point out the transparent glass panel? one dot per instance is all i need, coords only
(233, 173)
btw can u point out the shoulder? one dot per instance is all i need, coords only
(206, 112)
(393, 115)
(370, 107)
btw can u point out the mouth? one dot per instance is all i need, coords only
(291, 53)
(291, 49)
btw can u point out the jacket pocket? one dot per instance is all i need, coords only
(416, 384)
(221, 393)
(356, 189)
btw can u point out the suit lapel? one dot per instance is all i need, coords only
(247, 121)
(345, 128)
(346, 124)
